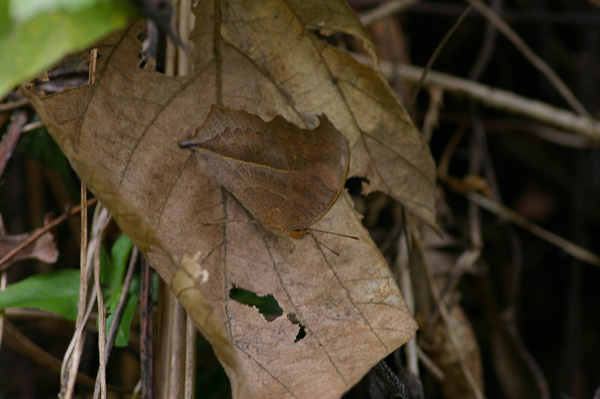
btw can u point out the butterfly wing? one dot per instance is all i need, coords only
(285, 176)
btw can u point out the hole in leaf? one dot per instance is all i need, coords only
(301, 334)
(267, 305)
(354, 185)
(301, 331)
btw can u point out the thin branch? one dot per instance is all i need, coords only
(191, 333)
(112, 334)
(430, 365)
(528, 53)
(100, 388)
(431, 120)
(73, 353)
(500, 99)
(32, 126)
(7, 257)
(385, 10)
(13, 105)
(437, 51)
(146, 331)
(450, 328)
(488, 45)
(508, 319)
(16, 340)
(406, 285)
(10, 140)
(510, 215)
(114, 327)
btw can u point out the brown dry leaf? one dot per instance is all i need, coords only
(43, 249)
(451, 344)
(455, 383)
(121, 135)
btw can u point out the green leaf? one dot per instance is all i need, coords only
(55, 291)
(112, 268)
(111, 274)
(120, 252)
(4, 18)
(107, 272)
(122, 337)
(33, 39)
(22, 10)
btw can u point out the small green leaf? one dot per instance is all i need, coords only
(122, 337)
(55, 291)
(33, 39)
(108, 277)
(112, 272)
(112, 268)
(120, 252)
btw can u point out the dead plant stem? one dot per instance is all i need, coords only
(500, 99)
(569, 247)
(13, 105)
(530, 55)
(435, 54)
(386, 9)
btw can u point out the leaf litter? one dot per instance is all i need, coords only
(121, 135)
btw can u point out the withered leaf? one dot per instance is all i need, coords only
(121, 135)
(43, 249)
(287, 177)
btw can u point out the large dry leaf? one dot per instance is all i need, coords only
(121, 135)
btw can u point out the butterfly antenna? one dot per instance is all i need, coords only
(325, 246)
(336, 234)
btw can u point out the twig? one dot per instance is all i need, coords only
(100, 388)
(185, 23)
(146, 333)
(191, 333)
(122, 300)
(569, 247)
(500, 99)
(114, 327)
(72, 355)
(406, 285)
(13, 105)
(433, 112)
(473, 384)
(487, 47)
(102, 220)
(20, 343)
(10, 140)
(40, 232)
(528, 53)
(464, 262)
(385, 10)
(513, 332)
(32, 126)
(437, 51)
(430, 365)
